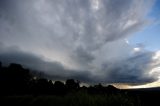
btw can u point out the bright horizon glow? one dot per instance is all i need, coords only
(148, 85)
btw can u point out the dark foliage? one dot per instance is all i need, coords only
(59, 88)
(0, 65)
(16, 82)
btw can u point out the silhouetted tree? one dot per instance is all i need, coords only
(0, 65)
(71, 84)
(15, 80)
(112, 89)
(59, 84)
(99, 86)
(19, 73)
(43, 86)
(59, 88)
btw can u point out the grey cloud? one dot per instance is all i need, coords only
(53, 70)
(83, 57)
(78, 20)
(133, 70)
(83, 38)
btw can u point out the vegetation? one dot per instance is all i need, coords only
(18, 86)
(78, 99)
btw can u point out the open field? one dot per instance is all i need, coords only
(78, 99)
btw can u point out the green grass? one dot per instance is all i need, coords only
(77, 99)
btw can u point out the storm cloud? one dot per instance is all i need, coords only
(81, 39)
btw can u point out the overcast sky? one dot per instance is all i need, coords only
(109, 41)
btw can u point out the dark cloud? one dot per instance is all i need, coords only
(83, 57)
(54, 70)
(82, 39)
(131, 70)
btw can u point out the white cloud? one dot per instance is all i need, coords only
(137, 49)
(156, 56)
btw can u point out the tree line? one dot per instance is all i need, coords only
(16, 80)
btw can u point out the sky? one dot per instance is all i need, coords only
(94, 41)
(148, 36)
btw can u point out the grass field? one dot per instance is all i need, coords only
(78, 99)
